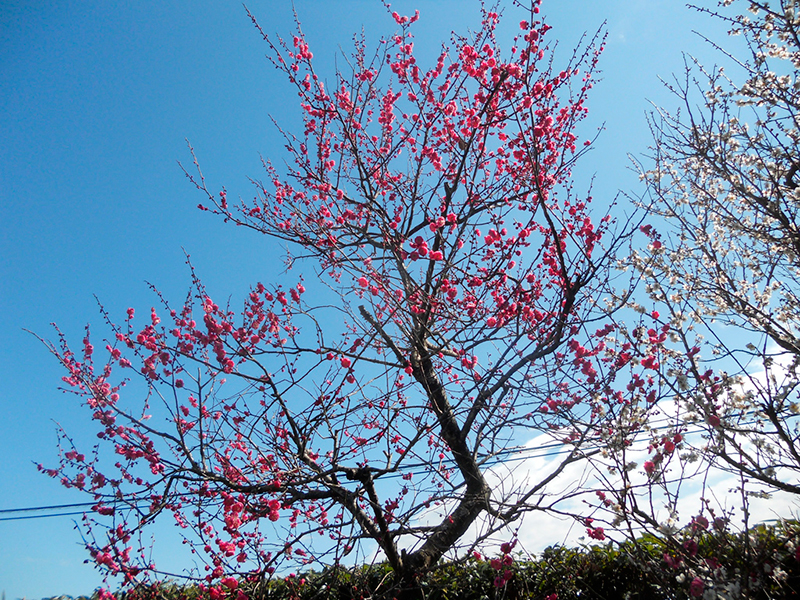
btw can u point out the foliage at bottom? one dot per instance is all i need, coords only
(761, 564)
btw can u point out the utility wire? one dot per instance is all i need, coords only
(53, 507)
(21, 517)
(521, 454)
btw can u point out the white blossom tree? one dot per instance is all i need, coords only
(725, 257)
(720, 278)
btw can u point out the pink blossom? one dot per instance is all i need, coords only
(672, 562)
(507, 547)
(230, 583)
(696, 587)
(596, 533)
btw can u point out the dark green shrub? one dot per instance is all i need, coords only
(763, 564)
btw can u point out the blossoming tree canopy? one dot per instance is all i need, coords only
(723, 185)
(720, 265)
(455, 311)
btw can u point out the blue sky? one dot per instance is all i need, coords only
(96, 101)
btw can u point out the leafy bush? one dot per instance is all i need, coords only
(764, 563)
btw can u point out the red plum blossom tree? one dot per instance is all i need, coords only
(456, 311)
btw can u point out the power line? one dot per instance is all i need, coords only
(21, 517)
(53, 507)
(494, 459)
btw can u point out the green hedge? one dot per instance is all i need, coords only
(763, 564)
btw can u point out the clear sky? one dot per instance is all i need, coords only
(96, 100)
